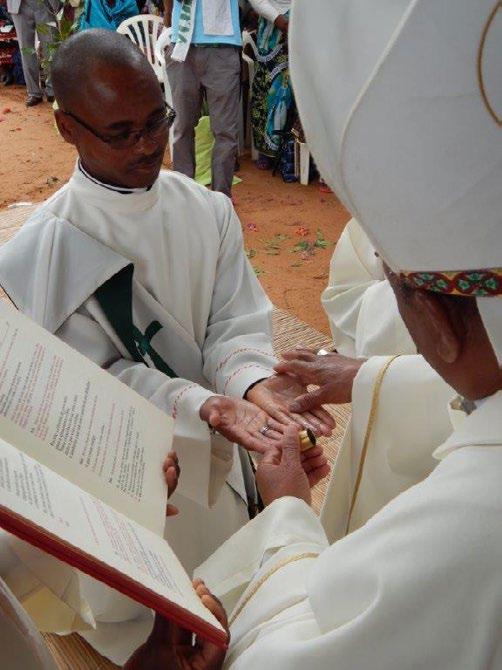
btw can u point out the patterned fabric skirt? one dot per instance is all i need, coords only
(272, 95)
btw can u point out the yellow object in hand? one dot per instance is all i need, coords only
(307, 439)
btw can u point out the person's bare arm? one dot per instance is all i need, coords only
(168, 13)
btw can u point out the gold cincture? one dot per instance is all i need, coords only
(266, 577)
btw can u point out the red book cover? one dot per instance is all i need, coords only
(50, 543)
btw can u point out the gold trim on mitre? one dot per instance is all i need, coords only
(481, 50)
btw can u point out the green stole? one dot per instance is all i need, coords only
(115, 299)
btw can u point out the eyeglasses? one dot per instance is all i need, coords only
(130, 138)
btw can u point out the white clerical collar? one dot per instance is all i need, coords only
(483, 426)
(117, 189)
(111, 198)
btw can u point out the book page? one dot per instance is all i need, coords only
(62, 409)
(133, 557)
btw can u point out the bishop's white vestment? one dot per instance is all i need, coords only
(416, 587)
(198, 311)
(400, 414)
(359, 302)
(412, 419)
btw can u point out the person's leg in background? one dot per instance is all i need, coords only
(184, 80)
(24, 23)
(45, 13)
(222, 83)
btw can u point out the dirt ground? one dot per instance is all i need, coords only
(289, 230)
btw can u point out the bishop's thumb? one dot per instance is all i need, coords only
(291, 445)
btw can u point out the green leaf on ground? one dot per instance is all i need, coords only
(302, 246)
(320, 242)
(274, 243)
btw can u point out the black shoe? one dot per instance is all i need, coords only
(50, 98)
(33, 100)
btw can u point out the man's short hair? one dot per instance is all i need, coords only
(80, 55)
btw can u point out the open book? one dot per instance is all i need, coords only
(81, 472)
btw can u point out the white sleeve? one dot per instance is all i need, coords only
(266, 9)
(416, 588)
(83, 333)
(206, 459)
(359, 302)
(238, 347)
(286, 524)
(411, 421)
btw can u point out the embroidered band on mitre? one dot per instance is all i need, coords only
(408, 132)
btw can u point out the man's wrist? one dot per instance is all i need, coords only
(251, 387)
(205, 409)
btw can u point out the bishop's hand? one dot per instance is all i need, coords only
(333, 374)
(242, 422)
(287, 472)
(275, 395)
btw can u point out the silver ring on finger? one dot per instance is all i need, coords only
(264, 429)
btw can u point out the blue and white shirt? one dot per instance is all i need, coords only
(199, 36)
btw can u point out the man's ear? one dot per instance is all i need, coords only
(65, 127)
(448, 345)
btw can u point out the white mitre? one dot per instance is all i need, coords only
(401, 103)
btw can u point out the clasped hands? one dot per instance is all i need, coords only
(258, 422)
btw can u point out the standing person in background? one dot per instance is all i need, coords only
(272, 96)
(107, 14)
(27, 16)
(205, 55)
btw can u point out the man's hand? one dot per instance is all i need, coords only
(282, 23)
(242, 422)
(334, 374)
(171, 469)
(170, 647)
(284, 474)
(275, 395)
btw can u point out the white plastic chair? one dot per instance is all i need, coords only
(163, 40)
(247, 39)
(247, 137)
(144, 30)
(302, 162)
(149, 33)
